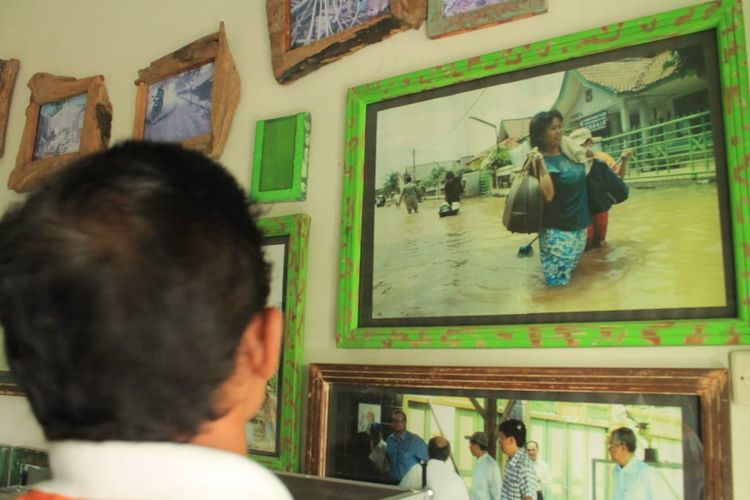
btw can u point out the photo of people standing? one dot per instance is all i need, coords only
(518, 449)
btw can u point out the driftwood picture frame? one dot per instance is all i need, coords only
(442, 20)
(36, 158)
(290, 62)
(8, 74)
(175, 71)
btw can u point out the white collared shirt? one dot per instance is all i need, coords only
(134, 470)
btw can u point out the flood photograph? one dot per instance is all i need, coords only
(439, 168)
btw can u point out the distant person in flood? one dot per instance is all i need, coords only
(410, 195)
(453, 189)
(562, 179)
(603, 186)
(404, 448)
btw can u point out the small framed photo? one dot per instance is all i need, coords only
(8, 74)
(66, 118)
(280, 159)
(451, 17)
(306, 35)
(189, 96)
(273, 435)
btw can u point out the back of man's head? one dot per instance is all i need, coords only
(126, 284)
(439, 448)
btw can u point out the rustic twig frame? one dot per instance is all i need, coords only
(94, 135)
(8, 74)
(291, 63)
(225, 92)
(439, 24)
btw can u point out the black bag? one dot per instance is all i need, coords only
(524, 204)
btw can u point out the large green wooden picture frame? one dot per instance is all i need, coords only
(719, 21)
(280, 159)
(292, 232)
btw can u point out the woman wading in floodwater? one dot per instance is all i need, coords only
(562, 238)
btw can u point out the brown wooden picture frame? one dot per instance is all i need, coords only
(708, 386)
(97, 119)
(290, 63)
(8, 74)
(440, 25)
(225, 94)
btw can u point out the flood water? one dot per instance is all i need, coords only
(663, 250)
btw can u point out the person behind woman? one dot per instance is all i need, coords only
(562, 238)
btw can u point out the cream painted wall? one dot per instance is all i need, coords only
(115, 38)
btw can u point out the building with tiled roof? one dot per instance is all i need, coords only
(630, 93)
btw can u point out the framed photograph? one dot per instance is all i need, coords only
(8, 74)
(189, 96)
(680, 418)
(671, 88)
(450, 17)
(306, 35)
(280, 159)
(67, 118)
(274, 433)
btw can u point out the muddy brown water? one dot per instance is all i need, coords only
(663, 250)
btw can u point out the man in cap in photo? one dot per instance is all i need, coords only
(486, 482)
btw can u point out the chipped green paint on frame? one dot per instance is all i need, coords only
(725, 17)
(297, 228)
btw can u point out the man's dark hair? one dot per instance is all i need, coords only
(126, 283)
(626, 436)
(439, 448)
(515, 429)
(539, 124)
(399, 412)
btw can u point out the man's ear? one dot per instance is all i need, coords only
(261, 342)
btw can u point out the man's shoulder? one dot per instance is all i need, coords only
(162, 470)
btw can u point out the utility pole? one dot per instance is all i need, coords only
(414, 164)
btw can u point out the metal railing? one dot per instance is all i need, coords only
(683, 147)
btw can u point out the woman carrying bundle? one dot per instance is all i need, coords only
(562, 180)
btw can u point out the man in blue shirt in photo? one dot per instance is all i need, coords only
(404, 448)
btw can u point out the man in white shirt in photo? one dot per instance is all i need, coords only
(441, 476)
